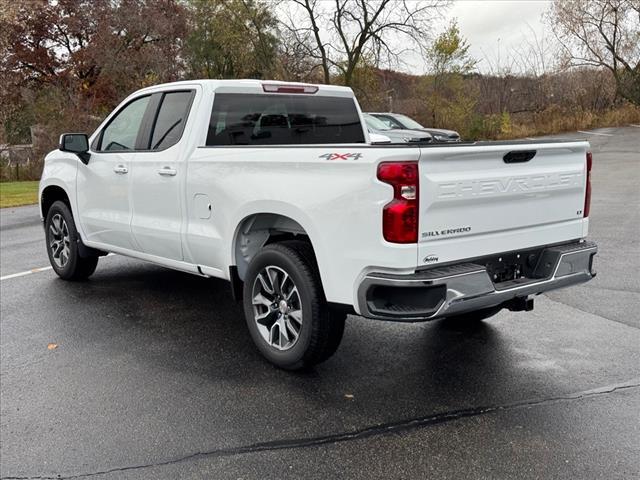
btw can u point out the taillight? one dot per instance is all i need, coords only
(587, 193)
(400, 215)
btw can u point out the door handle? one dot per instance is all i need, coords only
(167, 171)
(121, 169)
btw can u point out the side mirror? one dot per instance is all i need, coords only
(77, 143)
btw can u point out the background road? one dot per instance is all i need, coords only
(155, 375)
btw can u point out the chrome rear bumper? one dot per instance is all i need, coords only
(455, 289)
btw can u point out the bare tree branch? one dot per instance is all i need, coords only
(346, 33)
(602, 33)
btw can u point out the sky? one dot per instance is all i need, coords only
(494, 28)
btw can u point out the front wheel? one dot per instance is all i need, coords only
(62, 245)
(285, 309)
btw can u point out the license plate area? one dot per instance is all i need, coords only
(512, 266)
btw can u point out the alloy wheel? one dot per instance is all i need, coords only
(277, 307)
(59, 240)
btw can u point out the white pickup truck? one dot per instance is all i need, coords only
(278, 188)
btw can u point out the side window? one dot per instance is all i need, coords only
(263, 119)
(170, 120)
(122, 131)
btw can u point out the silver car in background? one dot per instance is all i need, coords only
(375, 125)
(404, 123)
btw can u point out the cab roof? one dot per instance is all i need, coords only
(257, 86)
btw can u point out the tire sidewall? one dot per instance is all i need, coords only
(294, 357)
(61, 208)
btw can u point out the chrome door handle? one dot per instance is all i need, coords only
(167, 171)
(121, 169)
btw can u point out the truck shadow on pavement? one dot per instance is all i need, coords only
(156, 366)
(186, 325)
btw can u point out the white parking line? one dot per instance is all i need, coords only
(594, 133)
(28, 272)
(34, 270)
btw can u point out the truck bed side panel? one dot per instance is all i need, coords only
(331, 191)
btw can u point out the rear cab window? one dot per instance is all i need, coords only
(279, 119)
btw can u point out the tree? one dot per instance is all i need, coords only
(231, 39)
(365, 84)
(602, 33)
(449, 54)
(448, 97)
(341, 35)
(106, 47)
(75, 59)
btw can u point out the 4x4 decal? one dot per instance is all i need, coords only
(341, 156)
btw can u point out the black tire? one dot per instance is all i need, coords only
(69, 266)
(471, 318)
(320, 330)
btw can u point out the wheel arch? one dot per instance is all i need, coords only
(256, 230)
(51, 194)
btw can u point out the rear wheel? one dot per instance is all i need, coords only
(62, 245)
(285, 309)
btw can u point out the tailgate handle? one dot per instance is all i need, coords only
(519, 156)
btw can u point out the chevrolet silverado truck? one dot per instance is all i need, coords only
(279, 189)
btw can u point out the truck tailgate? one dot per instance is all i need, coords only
(480, 199)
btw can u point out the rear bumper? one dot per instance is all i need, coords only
(465, 287)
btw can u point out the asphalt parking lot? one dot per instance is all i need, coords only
(155, 375)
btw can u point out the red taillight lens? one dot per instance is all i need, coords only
(587, 193)
(400, 215)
